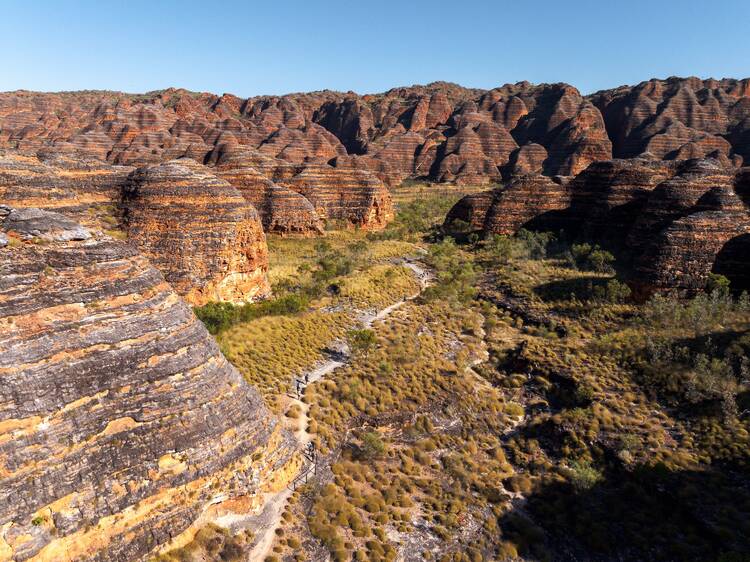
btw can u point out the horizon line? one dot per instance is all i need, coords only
(342, 92)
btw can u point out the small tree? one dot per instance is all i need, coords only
(361, 341)
(717, 282)
(372, 446)
(592, 258)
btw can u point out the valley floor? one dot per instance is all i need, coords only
(520, 407)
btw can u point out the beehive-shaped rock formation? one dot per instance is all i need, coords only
(120, 420)
(198, 230)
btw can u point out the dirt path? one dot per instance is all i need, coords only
(266, 522)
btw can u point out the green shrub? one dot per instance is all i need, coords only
(219, 316)
(717, 282)
(534, 245)
(614, 292)
(592, 258)
(361, 341)
(583, 476)
(372, 446)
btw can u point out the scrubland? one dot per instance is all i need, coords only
(524, 406)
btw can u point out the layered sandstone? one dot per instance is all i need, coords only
(282, 210)
(355, 197)
(302, 198)
(609, 195)
(121, 423)
(679, 118)
(198, 230)
(679, 221)
(693, 224)
(439, 131)
(525, 160)
(533, 201)
(675, 197)
(72, 183)
(218, 256)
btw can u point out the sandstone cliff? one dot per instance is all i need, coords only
(195, 227)
(121, 423)
(301, 198)
(679, 118)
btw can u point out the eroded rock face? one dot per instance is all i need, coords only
(525, 160)
(679, 118)
(471, 211)
(609, 195)
(120, 420)
(354, 196)
(300, 199)
(675, 197)
(679, 220)
(690, 219)
(282, 210)
(91, 192)
(441, 131)
(523, 200)
(198, 230)
(74, 184)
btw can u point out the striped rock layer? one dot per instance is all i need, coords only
(303, 198)
(121, 423)
(440, 131)
(680, 221)
(679, 118)
(198, 230)
(79, 186)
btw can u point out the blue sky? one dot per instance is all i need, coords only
(272, 47)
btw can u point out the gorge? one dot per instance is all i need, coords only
(582, 343)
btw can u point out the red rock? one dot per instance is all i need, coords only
(404, 132)
(681, 257)
(526, 201)
(675, 197)
(471, 210)
(76, 185)
(119, 408)
(282, 210)
(662, 116)
(525, 160)
(355, 197)
(198, 230)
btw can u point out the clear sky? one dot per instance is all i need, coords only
(273, 47)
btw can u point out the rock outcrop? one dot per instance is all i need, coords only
(693, 224)
(526, 199)
(355, 197)
(302, 198)
(198, 230)
(525, 160)
(121, 423)
(74, 184)
(439, 131)
(679, 118)
(679, 221)
(609, 195)
(282, 210)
